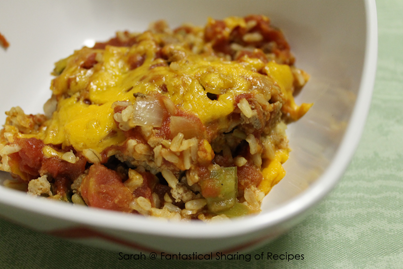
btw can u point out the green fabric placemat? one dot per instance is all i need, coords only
(359, 225)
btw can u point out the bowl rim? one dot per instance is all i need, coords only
(298, 205)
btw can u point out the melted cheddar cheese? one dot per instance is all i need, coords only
(273, 171)
(84, 115)
(91, 126)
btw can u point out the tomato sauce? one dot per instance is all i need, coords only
(62, 185)
(136, 60)
(248, 175)
(103, 188)
(58, 168)
(90, 61)
(209, 188)
(29, 158)
(146, 189)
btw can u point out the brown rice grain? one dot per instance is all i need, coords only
(188, 143)
(144, 203)
(170, 178)
(169, 156)
(187, 212)
(166, 143)
(176, 217)
(176, 142)
(9, 137)
(252, 37)
(195, 204)
(240, 161)
(269, 149)
(156, 199)
(202, 217)
(244, 106)
(135, 180)
(143, 149)
(250, 24)
(154, 141)
(167, 198)
(127, 113)
(69, 157)
(260, 99)
(77, 200)
(120, 103)
(4, 164)
(135, 206)
(193, 150)
(92, 156)
(174, 66)
(172, 208)
(220, 217)
(118, 117)
(112, 152)
(147, 131)
(157, 155)
(169, 105)
(186, 159)
(236, 47)
(9, 149)
(131, 143)
(257, 159)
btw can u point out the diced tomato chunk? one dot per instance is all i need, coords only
(103, 188)
(203, 172)
(210, 188)
(62, 185)
(248, 176)
(27, 162)
(58, 168)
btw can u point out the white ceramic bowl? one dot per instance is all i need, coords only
(334, 41)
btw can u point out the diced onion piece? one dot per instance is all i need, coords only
(50, 106)
(148, 113)
(183, 125)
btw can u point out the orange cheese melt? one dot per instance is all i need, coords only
(91, 126)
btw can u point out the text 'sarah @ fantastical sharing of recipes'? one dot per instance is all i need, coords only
(217, 256)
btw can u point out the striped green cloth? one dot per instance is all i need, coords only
(359, 225)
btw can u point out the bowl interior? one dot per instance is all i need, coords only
(327, 37)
